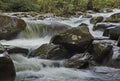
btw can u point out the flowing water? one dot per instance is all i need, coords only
(35, 69)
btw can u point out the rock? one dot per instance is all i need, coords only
(50, 51)
(106, 32)
(107, 10)
(102, 26)
(14, 49)
(95, 20)
(115, 18)
(118, 44)
(78, 61)
(113, 32)
(87, 16)
(115, 59)
(7, 69)
(75, 40)
(102, 51)
(10, 27)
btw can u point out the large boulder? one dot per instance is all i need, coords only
(115, 18)
(75, 40)
(10, 26)
(7, 69)
(78, 61)
(102, 51)
(51, 51)
(114, 32)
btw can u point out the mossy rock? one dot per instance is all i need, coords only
(79, 61)
(50, 51)
(75, 39)
(102, 52)
(95, 20)
(10, 26)
(115, 18)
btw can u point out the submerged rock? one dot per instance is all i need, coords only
(10, 26)
(7, 69)
(78, 61)
(51, 51)
(75, 40)
(115, 18)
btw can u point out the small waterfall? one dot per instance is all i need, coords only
(38, 30)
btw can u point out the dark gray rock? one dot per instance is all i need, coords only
(7, 69)
(102, 52)
(118, 44)
(75, 40)
(102, 26)
(113, 32)
(115, 18)
(78, 61)
(50, 51)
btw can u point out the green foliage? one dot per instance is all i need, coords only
(59, 7)
(19, 5)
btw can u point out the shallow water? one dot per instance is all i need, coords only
(34, 69)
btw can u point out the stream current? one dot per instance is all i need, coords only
(34, 69)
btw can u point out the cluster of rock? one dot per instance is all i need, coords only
(81, 49)
(76, 45)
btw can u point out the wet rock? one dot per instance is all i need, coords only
(102, 51)
(115, 18)
(10, 27)
(87, 16)
(78, 61)
(95, 20)
(75, 40)
(14, 49)
(102, 26)
(115, 59)
(51, 51)
(113, 32)
(7, 69)
(118, 44)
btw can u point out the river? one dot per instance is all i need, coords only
(32, 69)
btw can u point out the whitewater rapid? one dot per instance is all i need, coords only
(35, 69)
